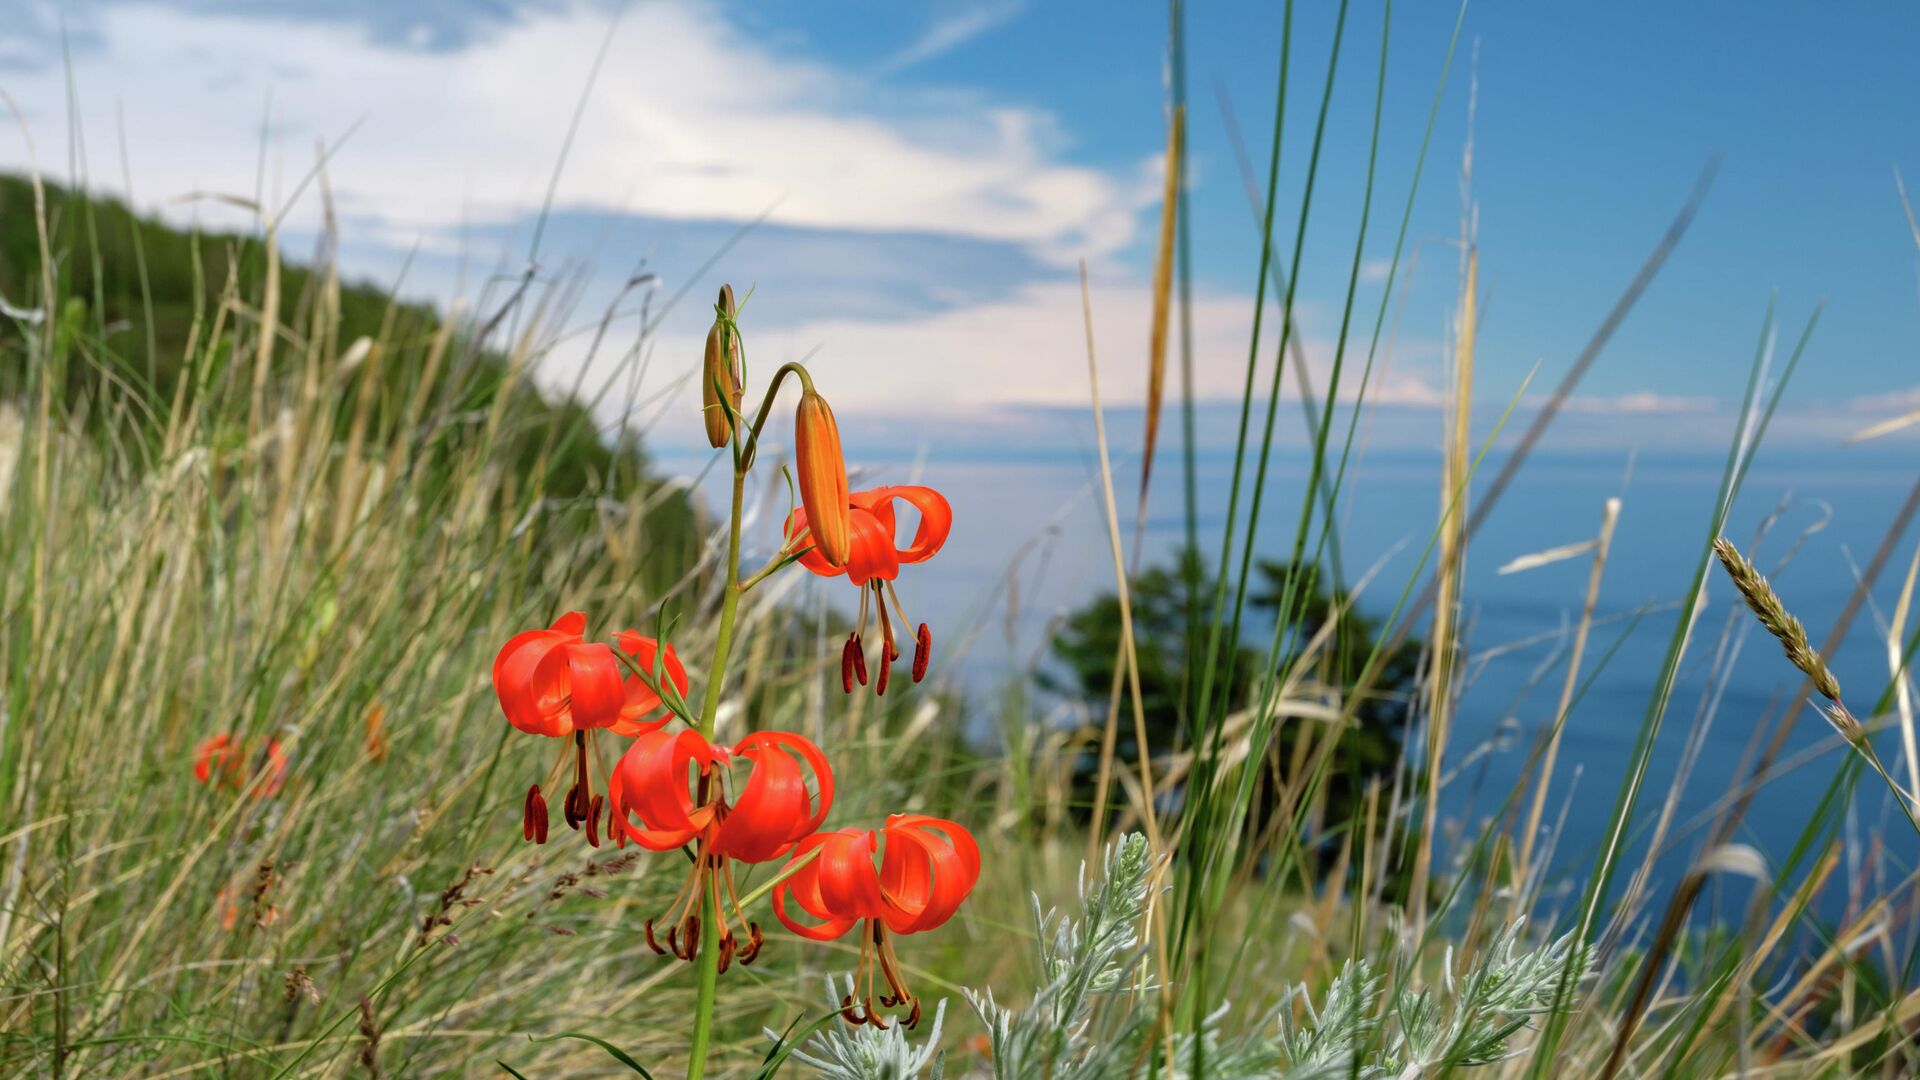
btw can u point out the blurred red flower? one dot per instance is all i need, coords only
(228, 761)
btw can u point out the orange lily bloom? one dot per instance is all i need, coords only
(927, 866)
(225, 760)
(873, 563)
(555, 683)
(670, 790)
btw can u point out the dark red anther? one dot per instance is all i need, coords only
(593, 821)
(913, 1017)
(880, 681)
(571, 807)
(539, 820)
(846, 665)
(619, 838)
(859, 650)
(754, 941)
(922, 652)
(647, 927)
(526, 812)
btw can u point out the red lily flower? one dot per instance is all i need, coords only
(225, 760)
(674, 783)
(872, 564)
(555, 683)
(927, 866)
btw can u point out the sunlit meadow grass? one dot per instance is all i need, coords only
(302, 545)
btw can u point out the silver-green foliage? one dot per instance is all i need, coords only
(1469, 1020)
(1085, 961)
(870, 1052)
(1094, 1017)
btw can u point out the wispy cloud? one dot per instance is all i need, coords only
(690, 118)
(950, 31)
(1640, 402)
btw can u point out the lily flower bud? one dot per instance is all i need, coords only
(720, 375)
(822, 474)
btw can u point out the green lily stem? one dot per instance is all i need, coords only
(729, 609)
(703, 1011)
(752, 443)
(709, 958)
(745, 445)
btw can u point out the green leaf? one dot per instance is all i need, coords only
(784, 1047)
(618, 1054)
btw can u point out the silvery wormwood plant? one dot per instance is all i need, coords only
(1093, 1018)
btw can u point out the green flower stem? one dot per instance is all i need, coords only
(752, 444)
(729, 609)
(709, 958)
(703, 1012)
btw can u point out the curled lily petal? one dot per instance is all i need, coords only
(595, 692)
(774, 809)
(936, 517)
(927, 867)
(929, 875)
(872, 555)
(848, 885)
(527, 703)
(552, 682)
(803, 886)
(651, 781)
(643, 710)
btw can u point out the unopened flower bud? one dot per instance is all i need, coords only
(822, 474)
(720, 375)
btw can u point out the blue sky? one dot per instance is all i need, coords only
(930, 174)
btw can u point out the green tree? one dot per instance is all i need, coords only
(1087, 646)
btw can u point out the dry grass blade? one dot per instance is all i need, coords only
(1110, 737)
(1902, 681)
(1538, 559)
(1162, 297)
(1884, 427)
(1600, 546)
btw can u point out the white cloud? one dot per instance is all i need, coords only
(689, 120)
(1642, 402)
(952, 30)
